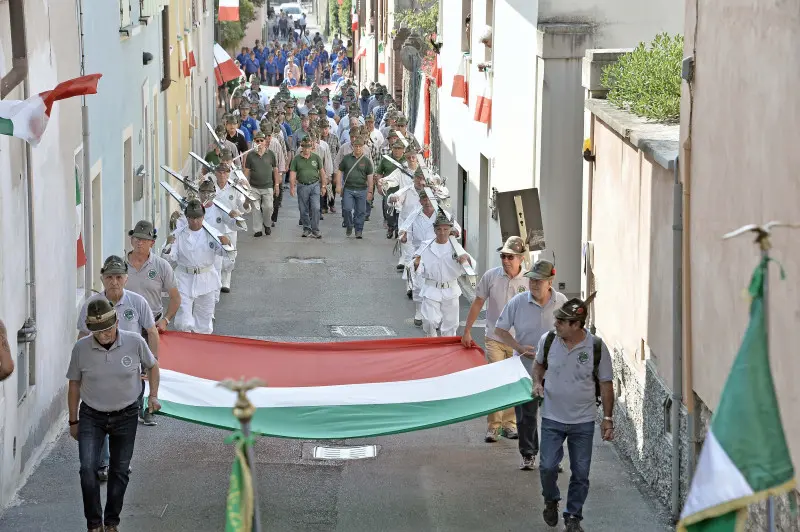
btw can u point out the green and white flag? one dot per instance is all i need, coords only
(745, 458)
(239, 507)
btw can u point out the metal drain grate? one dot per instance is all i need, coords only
(361, 330)
(345, 453)
(308, 260)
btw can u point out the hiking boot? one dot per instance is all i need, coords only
(550, 513)
(299, 222)
(102, 474)
(401, 267)
(96, 529)
(571, 524)
(528, 464)
(349, 231)
(511, 433)
(492, 435)
(418, 323)
(358, 235)
(257, 234)
(225, 290)
(366, 218)
(149, 419)
(112, 528)
(267, 230)
(408, 293)
(306, 232)
(316, 234)
(324, 210)
(390, 234)
(321, 217)
(333, 210)
(273, 224)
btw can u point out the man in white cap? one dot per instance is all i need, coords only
(439, 272)
(497, 287)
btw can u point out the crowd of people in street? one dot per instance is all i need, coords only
(336, 142)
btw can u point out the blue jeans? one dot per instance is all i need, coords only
(579, 438)
(308, 200)
(93, 426)
(354, 199)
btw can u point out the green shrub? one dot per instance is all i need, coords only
(647, 81)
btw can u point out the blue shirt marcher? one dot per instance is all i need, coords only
(251, 66)
(271, 67)
(246, 132)
(281, 63)
(364, 104)
(335, 78)
(250, 125)
(309, 69)
(323, 55)
(242, 58)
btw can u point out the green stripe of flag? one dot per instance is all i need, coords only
(6, 127)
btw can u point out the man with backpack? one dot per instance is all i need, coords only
(529, 315)
(573, 372)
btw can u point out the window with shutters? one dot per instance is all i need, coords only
(124, 13)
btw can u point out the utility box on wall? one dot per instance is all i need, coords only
(520, 214)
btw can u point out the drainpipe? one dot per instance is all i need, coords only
(687, 312)
(677, 337)
(87, 178)
(27, 334)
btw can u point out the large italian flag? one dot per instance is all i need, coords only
(27, 119)
(744, 458)
(337, 390)
(228, 10)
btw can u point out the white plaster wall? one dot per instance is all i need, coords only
(618, 23)
(23, 428)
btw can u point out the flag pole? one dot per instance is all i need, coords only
(244, 411)
(763, 234)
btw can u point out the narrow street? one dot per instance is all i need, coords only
(288, 288)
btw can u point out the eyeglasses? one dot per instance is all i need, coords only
(258, 141)
(505, 256)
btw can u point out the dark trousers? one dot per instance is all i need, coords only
(391, 219)
(579, 438)
(93, 426)
(277, 205)
(528, 428)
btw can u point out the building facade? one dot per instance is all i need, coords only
(531, 74)
(38, 277)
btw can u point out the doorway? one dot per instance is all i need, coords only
(463, 183)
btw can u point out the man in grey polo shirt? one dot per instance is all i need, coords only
(149, 275)
(497, 287)
(567, 363)
(135, 316)
(530, 315)
(104, 379)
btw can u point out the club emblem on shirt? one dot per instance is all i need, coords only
(152, 274)
(230, 197)
(583, 356)
(211, 245)
(314, 164)
(128, 314)
(219, 219)
(126, 361)
(521, 289)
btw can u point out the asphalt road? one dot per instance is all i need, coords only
(446, 479)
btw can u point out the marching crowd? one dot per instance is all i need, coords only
(337, 142)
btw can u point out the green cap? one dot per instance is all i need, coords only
(100, 315)
(114, 265)
(194, 209)
(143, 230)
(442, 219)
(259, 135)
(306, 142)
(575, 309)
(402, 121)
(543, 270)
(357, 141)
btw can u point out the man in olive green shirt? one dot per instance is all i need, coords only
(261, 170)
(354, 175)
(307, 180)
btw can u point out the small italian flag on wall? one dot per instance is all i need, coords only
(382, 63)
(79, 220)
(228, 11)
(27, 119)
(354, 17)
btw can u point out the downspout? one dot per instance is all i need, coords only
(677, 336)
(87, 178)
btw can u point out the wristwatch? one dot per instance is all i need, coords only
(607, 418)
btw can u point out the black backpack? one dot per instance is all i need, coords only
(598, 346)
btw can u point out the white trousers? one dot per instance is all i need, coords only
(406, 252)
(442, 315)
(228, 262)
(195, 313)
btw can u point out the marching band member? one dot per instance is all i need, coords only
(195, 250)
(234, 201)
(439, 272)
(408, 201)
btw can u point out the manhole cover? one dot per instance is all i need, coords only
(309, 260)
(361, 330)
(345, 453)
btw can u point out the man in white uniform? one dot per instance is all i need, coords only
(439, 272)
(235, 201)
(194, 251)
(408, 201)
(419, 229)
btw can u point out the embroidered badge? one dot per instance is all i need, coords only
(219, 219)
(152, 274)
(583, 356)
(127, 361)
(230, 197)
(521, 289)
(128, 314)
(314, 164)
(211, 245)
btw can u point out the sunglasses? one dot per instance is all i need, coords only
(506, 256)
(258, 141)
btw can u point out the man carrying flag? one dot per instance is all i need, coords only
(745, 458)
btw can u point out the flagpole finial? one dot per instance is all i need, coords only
(762, 232)
(243, 409)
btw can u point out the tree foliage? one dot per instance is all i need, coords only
(647, 81)
(345, 21)
(423, 19)
(333, 17)
(232, 33)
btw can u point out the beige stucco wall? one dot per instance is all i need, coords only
(631, 228)
(744, 169)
